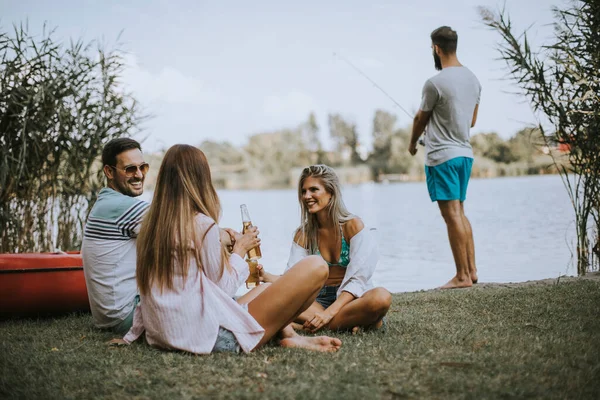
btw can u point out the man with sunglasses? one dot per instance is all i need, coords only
(109, 239)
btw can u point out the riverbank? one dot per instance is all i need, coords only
(536, 339)
(242, 177)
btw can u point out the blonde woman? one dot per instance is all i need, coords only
(347, 300)
(187, 279)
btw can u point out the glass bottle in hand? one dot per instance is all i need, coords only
(254, 253)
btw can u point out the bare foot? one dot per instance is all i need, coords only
(313, 343)
(474, 277)
(359, 329)
(298, 327)
(378, 324)
(456, 283)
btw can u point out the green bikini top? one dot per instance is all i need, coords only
(344, 254)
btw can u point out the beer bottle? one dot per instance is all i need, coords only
(253, 278)
(254, 253)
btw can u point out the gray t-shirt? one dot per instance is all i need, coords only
(452, 96)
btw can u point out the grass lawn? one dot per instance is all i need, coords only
(538, 341)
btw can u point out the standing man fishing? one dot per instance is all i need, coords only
(449, 105)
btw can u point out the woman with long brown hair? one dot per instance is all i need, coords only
(187, 278)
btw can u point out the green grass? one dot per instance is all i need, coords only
(524, 342)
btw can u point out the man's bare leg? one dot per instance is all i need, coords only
(457, 234)
(470, 247)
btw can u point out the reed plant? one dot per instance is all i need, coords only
(561, 80)
(59, 104)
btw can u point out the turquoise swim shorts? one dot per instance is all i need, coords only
(449, 180)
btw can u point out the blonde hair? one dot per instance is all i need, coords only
(336, 209)
(168, 238)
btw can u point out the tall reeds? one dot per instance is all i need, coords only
(59, 104)
(562, 83)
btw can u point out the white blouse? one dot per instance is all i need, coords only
(363, 260)
(189, 316)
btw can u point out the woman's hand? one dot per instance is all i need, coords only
(318, 321)
(247, 241)
(264, 276)
(233, 234)
(229, 237)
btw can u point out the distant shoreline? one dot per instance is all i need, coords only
(277, 188)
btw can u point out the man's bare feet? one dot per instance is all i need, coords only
(456, 283)
(313, 343)
(474, 277)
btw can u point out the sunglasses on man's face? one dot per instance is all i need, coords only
(131, 170)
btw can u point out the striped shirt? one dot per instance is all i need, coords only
(188, 317)
(108, 252)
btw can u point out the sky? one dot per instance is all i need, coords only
(225, 70)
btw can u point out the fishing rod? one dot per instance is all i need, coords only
(354, 67)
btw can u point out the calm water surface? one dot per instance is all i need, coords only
(523, 229)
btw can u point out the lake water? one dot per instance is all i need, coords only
(523, 229)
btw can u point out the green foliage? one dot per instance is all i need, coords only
(267, 160)
(345, 137)
(58, 106)
(526, 143)
(271, 153)
(492, 146)
(562, 82)
(389, 155)
(222, 153)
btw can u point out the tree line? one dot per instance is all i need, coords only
(272, 155)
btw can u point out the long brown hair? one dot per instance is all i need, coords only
(336, 209)
(168, 239)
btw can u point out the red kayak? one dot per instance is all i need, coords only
(42, 283)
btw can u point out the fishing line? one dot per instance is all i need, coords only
(372, 81)
(421, 142)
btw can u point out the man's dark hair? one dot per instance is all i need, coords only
(115, 147)
(445, 38)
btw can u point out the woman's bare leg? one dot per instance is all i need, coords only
(282, 301)
(289, 337)
(309, 313)
(252, 294)
(366, 311)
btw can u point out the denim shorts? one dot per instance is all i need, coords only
(327, 295)
(124, 326)
(226, 342)
(449, 180)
